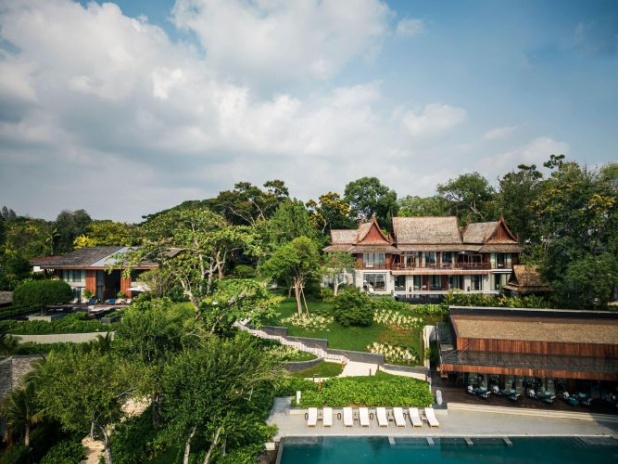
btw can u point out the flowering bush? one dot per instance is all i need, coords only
(395, 318)
(287, 353)
(394, 354)
(308, 321)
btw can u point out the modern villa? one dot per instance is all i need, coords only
(532, 352)
(94, 268)
(426, 257)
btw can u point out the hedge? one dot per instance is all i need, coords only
(40, 293)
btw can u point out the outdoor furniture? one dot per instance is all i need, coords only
(485, 395)
(312, 417)
(348, 418)
(381, 416)
(415, 417)
(363, 414)
(400, 420)
(431, 417)
(514, 397)
(327, 417)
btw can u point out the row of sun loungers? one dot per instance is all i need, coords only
(399, 417)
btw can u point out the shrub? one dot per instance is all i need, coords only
(65, 452)
(308, 321)
(40, 293)
(353, 308)
(17, 454)
(244, 271)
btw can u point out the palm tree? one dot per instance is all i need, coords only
(8, 344)
(21, 411)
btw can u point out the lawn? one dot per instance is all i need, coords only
(350, 338)
(324, 369)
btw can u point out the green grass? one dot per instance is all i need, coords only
(324, 369)
(349, 338)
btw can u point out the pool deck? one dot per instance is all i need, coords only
(457, 420)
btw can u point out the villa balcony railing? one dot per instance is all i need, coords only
(443, 266)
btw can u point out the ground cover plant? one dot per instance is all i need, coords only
(379, 390)
(71, 323)
(324, 369)
(395, 324)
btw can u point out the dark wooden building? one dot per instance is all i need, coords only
(520, 349)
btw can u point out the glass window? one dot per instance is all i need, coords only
(430, 257)
(500, 259)
(376, 281)
(435, 282)
(374, 259)
(447, 258)
(400, 282)
(476, 282)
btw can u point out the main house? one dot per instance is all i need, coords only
(426, 257)
(96, 269)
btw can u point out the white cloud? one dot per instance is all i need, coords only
(283, 41)
(435, 119)
(499, 133)
(410, 27)
(536, 151)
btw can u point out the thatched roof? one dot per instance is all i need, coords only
(343, 236)
(526, 279)
(537, 329)
(479, 232)
(426, 230)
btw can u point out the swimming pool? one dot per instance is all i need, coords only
(383, 450)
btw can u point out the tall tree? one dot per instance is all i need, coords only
(193, 246)
(470, 198)
(367, 197)
(336, 266)
(84, 390)
(415, 206)
(247, 204)
(21, 410)
(330, 212)
(291, 220)
(68, 226)
(207, 391)
(107, 233)
(298, 261)
(577, 213)
(518, 189)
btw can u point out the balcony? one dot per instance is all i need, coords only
(443, 266)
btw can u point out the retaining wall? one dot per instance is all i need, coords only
(61, 338)
(295, 366)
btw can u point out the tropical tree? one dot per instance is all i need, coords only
(21, 409)
(298, 261)
(151, 334)
(247, 204)
(291, 220)
(470, 198)
(415, 206)
(336, 266)
(193, 246)
(107, 233)
(238, 300)
(67, 227)
(330, 212)
(84, 390)
(209, 390)
(368, 197)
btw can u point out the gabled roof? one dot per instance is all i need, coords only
(485, 232)
(526, 279)
(343, 236)
(369, 233)
(100, 257)
(426, 230)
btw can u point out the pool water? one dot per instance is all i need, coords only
(338, 450)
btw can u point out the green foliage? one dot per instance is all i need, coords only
(368, 197)
(71, 323)
(134, 440)
(68, 226)
(39, 293)
(288, 386)
(414, 206)
(330, 212)
(16, 454)
(244, 271)
(379, 390)
(470, 198)
(500, 301)
(67, 451)
(14, 268)
(353, 308)
(324, 369)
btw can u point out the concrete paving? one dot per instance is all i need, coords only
(358, 369)
(455, 421)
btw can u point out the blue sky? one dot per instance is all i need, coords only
(127, 108)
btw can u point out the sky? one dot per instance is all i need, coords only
(130, 107)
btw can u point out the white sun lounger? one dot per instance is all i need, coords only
(312, 417)
(415, 417)
(431, 417)
(348, 417)
(327, 417)
(363, 414)
(381, 416)
(400, 419)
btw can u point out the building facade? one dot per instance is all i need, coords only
(96, 269)
(425, 257)
(531, 350)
